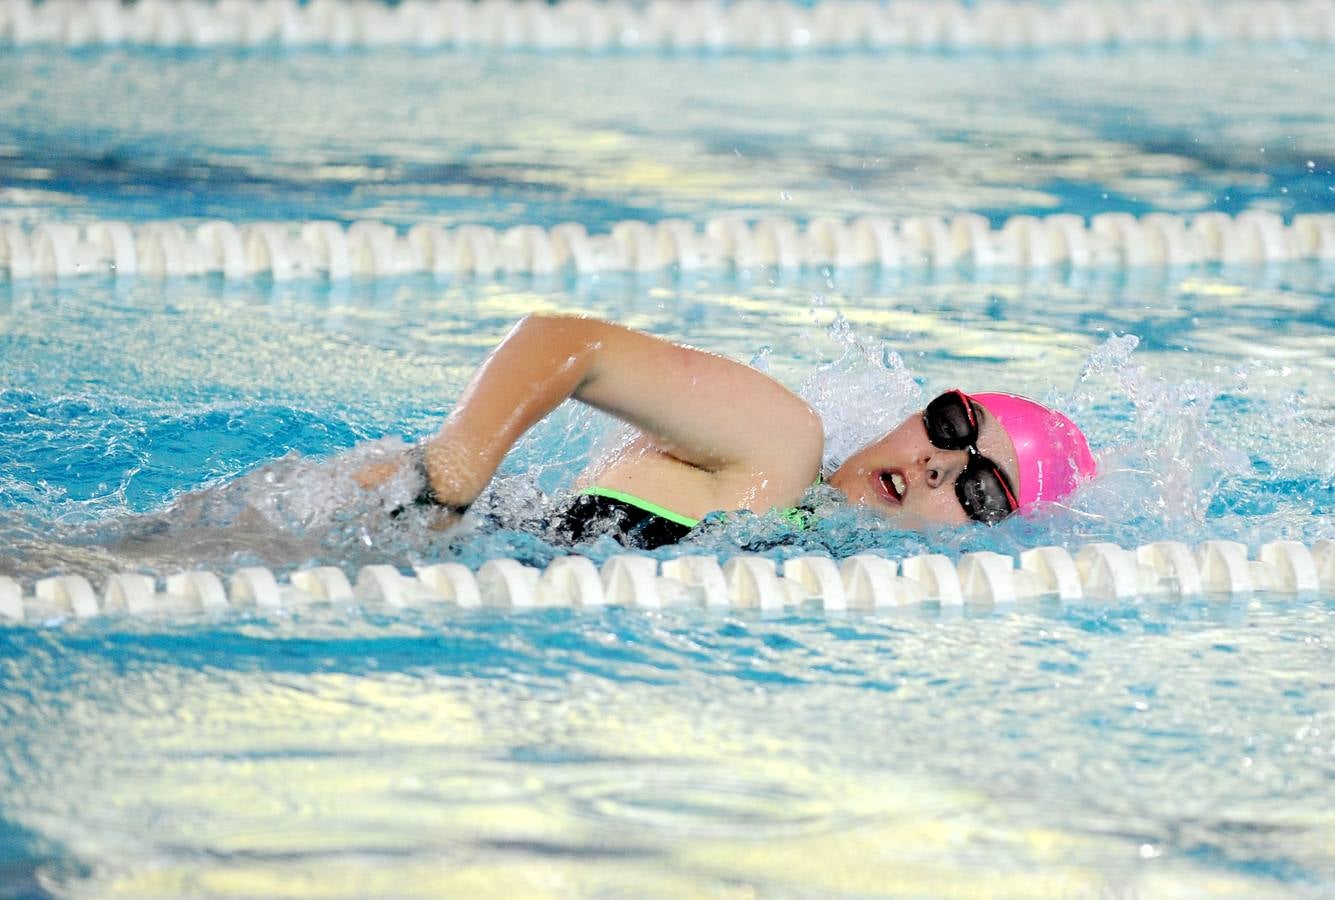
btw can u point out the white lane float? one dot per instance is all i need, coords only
(866, 583)
(689, 26)
(374, 250)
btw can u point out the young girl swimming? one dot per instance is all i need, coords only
(713, 434)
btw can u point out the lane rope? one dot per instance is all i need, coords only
(687, 25)
(322, 249)
(1215, 570)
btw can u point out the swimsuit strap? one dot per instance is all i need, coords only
(800, 517)
(640, 503)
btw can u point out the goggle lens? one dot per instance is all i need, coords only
(981, 488)
(951, 423)
(983, 493)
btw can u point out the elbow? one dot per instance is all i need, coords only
(548, 332)
(556, 331)
(533, 322)
(542, 323)
(559, 347)
(548, 321)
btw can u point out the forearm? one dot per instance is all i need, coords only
(542, 362)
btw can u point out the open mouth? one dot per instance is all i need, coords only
(892, 485)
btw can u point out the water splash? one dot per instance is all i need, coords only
(860, 395)
(1192, 458)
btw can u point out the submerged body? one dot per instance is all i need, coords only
(713, 434)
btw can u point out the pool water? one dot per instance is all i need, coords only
(501, 139)
(1147, 750)
(1131, 748)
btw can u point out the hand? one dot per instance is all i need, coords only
(373, 476)
(376, 474)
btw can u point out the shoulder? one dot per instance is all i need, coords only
(783, 463)
(808, 440)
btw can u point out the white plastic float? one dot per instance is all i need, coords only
(683, 25)
(372, 250)
(1216, 570)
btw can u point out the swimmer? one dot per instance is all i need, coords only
(710, 433)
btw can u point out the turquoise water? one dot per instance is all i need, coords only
(1140, 749)
(1146, 750)
(499, 139)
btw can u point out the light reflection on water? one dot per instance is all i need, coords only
(458, 137)
(1155, 750)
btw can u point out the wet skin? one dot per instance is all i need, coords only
(903, 474)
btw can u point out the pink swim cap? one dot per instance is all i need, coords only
(1053, 454)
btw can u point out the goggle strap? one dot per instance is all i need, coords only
(1001, 479)
(968, 407)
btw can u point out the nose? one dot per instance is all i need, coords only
(942, 467)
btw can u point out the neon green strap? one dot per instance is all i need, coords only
(799, 518)
(638, 503)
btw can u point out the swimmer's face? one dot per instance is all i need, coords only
(903, 474)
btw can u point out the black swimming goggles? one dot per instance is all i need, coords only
(982, 488)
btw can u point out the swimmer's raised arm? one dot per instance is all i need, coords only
(727, 426)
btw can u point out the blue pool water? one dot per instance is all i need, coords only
(499, 139)
(1138, 748)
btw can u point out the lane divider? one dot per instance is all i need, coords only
(866, 582)
(692, 25)
(288, 251)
